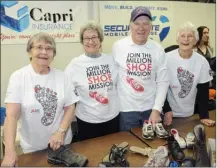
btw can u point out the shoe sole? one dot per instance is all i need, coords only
(56, 161)
(148, 137)
(162, 136)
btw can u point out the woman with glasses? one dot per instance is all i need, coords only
(94, 76)
(39, 97)
(189, 76)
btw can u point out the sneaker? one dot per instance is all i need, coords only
(190, 140)
(159, 158)
(135, 85)
(178, 138)
(147, 130)
(98, 97)
(175, 150)
(65, 156)
(160, 131)
(201, 155)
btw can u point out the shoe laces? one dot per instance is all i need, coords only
(149, 127)
(161, 128)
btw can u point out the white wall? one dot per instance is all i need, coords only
(14, 56)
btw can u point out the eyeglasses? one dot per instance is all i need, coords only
(40, 49)
(87, 39)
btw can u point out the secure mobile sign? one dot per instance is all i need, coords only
(22, 19)
(119, 26)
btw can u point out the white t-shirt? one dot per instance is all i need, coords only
(94, 80)
(143, 78)
(184, 75)
(42, 99)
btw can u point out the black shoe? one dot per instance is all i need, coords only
(188, 162)
(65, 156)
(201, 155)
(117, 155)
(175, 150)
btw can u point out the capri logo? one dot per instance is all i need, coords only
(19, 22)
(160, 27)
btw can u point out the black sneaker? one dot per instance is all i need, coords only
(201, 155)
(175, 150)
(65, 156)
(116, 157)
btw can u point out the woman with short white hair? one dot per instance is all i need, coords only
(189, 78)
(39, 96)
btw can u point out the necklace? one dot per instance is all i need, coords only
(93, 55)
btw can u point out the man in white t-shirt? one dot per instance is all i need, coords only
(143, 79)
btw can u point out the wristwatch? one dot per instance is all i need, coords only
(62, 130)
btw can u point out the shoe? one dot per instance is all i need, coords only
(160, 131)
(135, 85)
(190, 140)
(147, 130)
(98, 97)
(65, 156)
(201, 155)
(173, 163)
(188, 162)
(143, 151)
(159, 158)
(179, 139)
(116, 156)
(175, 150)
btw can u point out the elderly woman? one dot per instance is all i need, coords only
(189, 76)
(37, 97)
(94, 76)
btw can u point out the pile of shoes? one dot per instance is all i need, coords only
(148, 131)
(67, 157)
(195, 141)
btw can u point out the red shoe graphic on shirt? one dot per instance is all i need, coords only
(98, 97)
(135, 85)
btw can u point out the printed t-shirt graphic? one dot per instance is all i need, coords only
(48, 100)
(186, 80)
(138, 64)
(99, 76)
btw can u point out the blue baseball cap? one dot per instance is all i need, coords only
(140, 11)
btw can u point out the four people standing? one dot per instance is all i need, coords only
(133, 82)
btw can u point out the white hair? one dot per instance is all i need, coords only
(188, 26)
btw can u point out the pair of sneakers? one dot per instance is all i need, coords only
(148, 131)
(65, 156)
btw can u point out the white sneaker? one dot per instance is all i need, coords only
(190, 140)
(179, 139)
(160, 131)
(147, 130)
(159, 158)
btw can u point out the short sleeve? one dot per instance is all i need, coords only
(13, 93)
(71, 95)
(205, 73)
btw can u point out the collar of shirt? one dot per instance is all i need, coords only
(146, 45)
